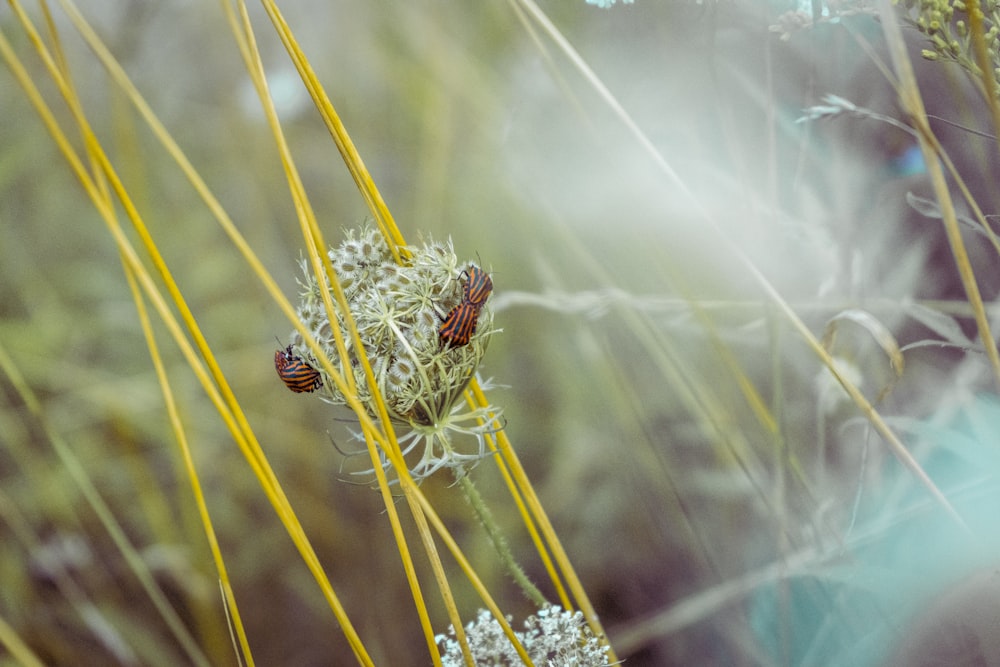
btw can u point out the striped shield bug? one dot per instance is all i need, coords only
(477, 287)
(459, 325)
(296, 373)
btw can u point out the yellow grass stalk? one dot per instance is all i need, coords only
(216, 387)
(103, 185)
(16, 647)
(913, 104)
(105, 514)
(386, 223)
(176, 423)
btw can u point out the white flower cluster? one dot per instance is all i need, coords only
(553, 638)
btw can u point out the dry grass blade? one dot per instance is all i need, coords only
(322, 268)
(116, 531)
(380, 212)
(16, 647)
(226, 403)
(176, 422)
(879, 332)
(364, 181)
(913, 104)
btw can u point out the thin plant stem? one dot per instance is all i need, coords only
(499, 541)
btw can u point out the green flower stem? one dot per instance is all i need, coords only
(499, 541)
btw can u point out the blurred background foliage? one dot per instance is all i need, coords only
(660, 479)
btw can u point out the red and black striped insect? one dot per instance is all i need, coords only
(477, 287)
(295, 372)
(460, 323)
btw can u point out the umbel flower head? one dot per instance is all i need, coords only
(398, 311)
(553, 638)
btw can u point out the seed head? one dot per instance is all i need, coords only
(397, 311)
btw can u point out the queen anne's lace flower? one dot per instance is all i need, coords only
(397, 310)
(398, 313)
(553, 638)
